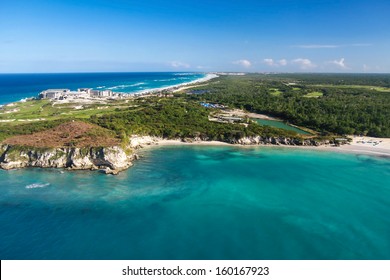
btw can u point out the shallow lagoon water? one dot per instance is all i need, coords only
(199, 202)
(280, 124)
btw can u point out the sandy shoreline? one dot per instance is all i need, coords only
(176, 88)
(367, 145)
(356, 147)
(146, 92)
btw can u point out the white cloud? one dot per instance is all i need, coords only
(178, 64)
(304, 63)
(283, 62)
(243, 62)
(271, 62)
(340, 63)
(202, 67)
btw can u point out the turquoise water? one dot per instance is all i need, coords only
(280, 124)
(202, 203)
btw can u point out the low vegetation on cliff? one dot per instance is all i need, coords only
(71, 134)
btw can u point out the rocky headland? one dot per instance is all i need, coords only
(74, 145)
(82, 146)
(110, 160)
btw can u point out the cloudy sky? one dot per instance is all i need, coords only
(194, 35)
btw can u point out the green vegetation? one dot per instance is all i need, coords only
(35, 110)
(178, 118)
(70, 134)
(275, 91)
(14, 128)
(327, 103)
(370, 88)
(314, 94)
(340, 110)
(38, 115)
(376, 80)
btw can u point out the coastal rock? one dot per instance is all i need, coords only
(116, 158)
(258, 140)
(79, 161)
(10, 159)
(137, 142)
(248, 141)
(113, 158)
(109, 171)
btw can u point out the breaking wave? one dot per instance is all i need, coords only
(126, 86)
(183, 74)
(37, 185)
(166, 80)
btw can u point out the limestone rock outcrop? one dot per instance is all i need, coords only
(109, 158)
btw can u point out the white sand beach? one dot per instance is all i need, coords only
(359, 145)
(366, 145)
(177, 88)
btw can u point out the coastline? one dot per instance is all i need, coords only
(355, 147)
(366, 145)
(151, 91)
(174, 88)
(115, 159)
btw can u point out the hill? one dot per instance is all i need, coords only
(71, 134)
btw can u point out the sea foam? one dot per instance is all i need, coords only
(37, 185)
(127, 86)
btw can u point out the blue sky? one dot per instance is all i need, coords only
(194, 35)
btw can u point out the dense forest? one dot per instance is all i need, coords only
(361, 79)
(311, 100)
(176, 118)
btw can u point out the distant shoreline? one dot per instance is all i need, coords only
(174, 88)
(177, 87)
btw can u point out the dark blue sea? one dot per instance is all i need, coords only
(14, 87)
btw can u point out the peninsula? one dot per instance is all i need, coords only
(102, 130)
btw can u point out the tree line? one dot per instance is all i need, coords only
(339, 110)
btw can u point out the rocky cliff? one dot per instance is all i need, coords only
(137, 142)
(258, 140)
(110, 160)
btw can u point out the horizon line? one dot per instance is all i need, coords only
(199, 72)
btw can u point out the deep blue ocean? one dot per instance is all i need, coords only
(202, 202)
(14, 87)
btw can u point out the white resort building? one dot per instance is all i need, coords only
(80, 93)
